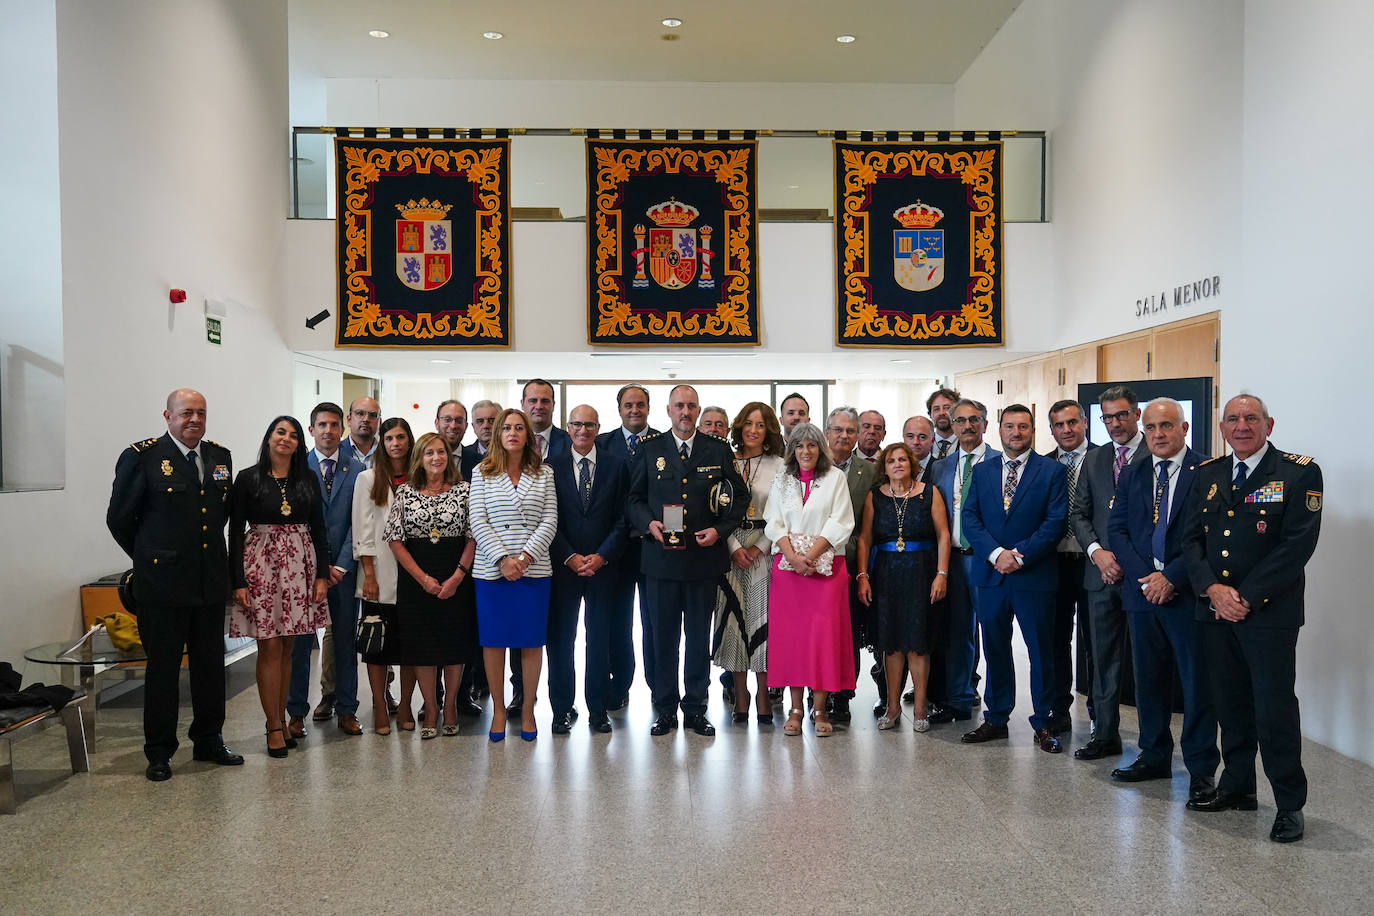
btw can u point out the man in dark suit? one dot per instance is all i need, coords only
(842, 436)
(1069, 426)
(483, 419)
(953, 476)
(168, 509)
(337, 471)
(592, 485)
(1252, 526)
(1092, 503)
(940, 408)
(682, 568)
(537, 401)
(632, 402)
(1146, 527)
(919, 435)
(1013, 518)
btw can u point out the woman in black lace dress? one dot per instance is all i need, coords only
(903, 567)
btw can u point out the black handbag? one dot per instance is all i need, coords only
(371, 634)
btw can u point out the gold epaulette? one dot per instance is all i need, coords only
(1302, 460)
(1210, 460)
(212, 442)
(647, 436)
(140, 446)
(718, 438)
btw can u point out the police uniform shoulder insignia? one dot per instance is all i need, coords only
(146, 443)
(719, 438)
(1301, 460)
(1210, 460)
(647, 436)
(212, 442)
(1314, 500)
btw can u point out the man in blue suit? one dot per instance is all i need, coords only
(953, 475)
(337, 470)
(632, 402)
(1146, 527)
(592, 486)
(1013, 518)
(537, 401)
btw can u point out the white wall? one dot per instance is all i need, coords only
(31, 370)
(1189, 140)
(172, 171)
(1302, 339)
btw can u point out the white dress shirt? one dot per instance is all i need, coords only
(1166, 509)
(958, 455)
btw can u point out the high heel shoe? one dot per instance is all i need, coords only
(277, 752)
(427, 733)
(740, 716)
(381, 724)
(495, 737)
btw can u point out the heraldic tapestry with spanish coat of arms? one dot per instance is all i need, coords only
(423, 242)
(918, 244)
(672, 242)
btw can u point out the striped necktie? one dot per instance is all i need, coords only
(1009, 488)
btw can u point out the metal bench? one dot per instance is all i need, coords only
(16, 723)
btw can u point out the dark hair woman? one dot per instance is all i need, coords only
(372, 499)
(429, 535)
(279, 561)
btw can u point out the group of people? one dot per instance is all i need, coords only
(764, 545)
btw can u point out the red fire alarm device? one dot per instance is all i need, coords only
(177, 295)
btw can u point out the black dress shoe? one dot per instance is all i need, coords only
(839, 712)
(1096, 750)
(469, 708)
(701, 725)
(1223, 801)
(562, 724)
(943, 714)
(909, 696)
(1199, 787)
(1060, 724)
(663, 725)
(218, 754)
(599, 722)
(1288, 827)
(158, 771)
(617, 703)
(985, 732)
(514, 706)
(1141, 771)
(1047, 742)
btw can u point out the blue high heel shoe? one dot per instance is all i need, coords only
(528, 736)
(496, 736)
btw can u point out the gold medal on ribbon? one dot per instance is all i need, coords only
(901, 545)
(285, 507)
(752, 512)
(434, 535)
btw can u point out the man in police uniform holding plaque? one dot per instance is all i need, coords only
(168, 509)
(1252, 527)
(687, 496)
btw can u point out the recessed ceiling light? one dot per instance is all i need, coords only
(493, 36)
(845, 39)
(899, 362)
(379, 33)
(672, 362)
(672, 22)
(441, 362)
(794, 187)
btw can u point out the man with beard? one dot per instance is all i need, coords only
(940, 408)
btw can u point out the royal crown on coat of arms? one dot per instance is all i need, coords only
(672, 214)
(919, 215)
(425, 209)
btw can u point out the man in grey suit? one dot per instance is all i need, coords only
(1092, 504)
(842, 434)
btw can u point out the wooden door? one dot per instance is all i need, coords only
(1186, 351)
(1124, 360)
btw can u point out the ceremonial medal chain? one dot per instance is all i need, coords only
(748, 475)
(434, 529)
(285, 503)
(901, 513)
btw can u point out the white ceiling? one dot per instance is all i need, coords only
(898, 41)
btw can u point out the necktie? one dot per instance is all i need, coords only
(1070, 461)
(195, 468)
(966, 475)
(539, 440)
(584, 483)
(944, 449)
(328, 465)
(1009, 488)
(1161, 510)
(1121, 451)
(683, 451)
(1241, 474)
(632, 443)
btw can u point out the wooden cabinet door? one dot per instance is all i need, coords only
(1186, 352)
(1124, 360)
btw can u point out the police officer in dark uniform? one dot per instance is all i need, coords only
(1253, 525)
(682, 568)
(168, 510)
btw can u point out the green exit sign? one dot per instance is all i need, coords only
(212, 331)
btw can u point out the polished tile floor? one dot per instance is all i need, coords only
(749, 822)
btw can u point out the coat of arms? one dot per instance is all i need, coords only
(672, 249)
(918, 249)
(424, 256)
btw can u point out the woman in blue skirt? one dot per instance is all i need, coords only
(513, 511)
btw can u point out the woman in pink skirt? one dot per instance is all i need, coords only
(809, 518)
(278, 555)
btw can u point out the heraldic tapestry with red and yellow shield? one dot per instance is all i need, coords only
(423, 242)
(672, 242)
(918, 244)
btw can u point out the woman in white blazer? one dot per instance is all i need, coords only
(514, 514)
(372, 498)
(809, 517)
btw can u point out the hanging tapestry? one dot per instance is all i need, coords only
(672, 242)
(918, 244)
(423, 242)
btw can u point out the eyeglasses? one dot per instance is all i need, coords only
(964, 421)
(581, 424)
(1118, 417)
(370, 414)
